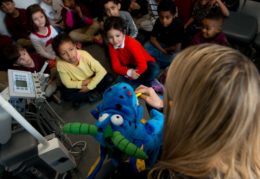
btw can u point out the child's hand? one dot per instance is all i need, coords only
(132, 74)
(135, 75)
(85, 82)
(84, 89)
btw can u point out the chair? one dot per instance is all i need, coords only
(241, 27)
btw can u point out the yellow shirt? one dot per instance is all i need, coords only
(88, 68)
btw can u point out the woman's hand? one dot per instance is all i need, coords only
(150, 96)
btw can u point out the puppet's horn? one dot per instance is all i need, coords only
(80, 128)
(127, 147)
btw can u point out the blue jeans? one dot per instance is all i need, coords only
(145, 78)
(162, 59)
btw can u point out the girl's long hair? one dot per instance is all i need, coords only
(212, 128)
(30, 11)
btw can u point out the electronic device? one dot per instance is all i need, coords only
(24, 84)
(56, 156)
(21, 84)
(51, 151)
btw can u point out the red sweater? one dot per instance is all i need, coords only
(133, 55)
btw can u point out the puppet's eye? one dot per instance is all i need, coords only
(103, 117)
(117, 119)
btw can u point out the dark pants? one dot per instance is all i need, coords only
(74, 95)
(146, 78)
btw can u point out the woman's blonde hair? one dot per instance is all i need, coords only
(212, 128)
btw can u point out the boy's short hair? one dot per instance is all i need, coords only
(60, 39)
(167, 5)
(12, 53)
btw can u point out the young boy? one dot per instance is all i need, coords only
(20, 59)
(211, 31)
(16, 22)
(83, 77)
(166, 35)
(112, 8)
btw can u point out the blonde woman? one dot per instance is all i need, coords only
(212, 116)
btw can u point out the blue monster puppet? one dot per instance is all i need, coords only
(122, 131)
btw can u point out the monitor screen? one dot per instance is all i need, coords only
(21, 83)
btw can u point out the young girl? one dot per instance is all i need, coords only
(78, 21)
(128, 57)
(84, 77)
(212, 116)
(42, 33)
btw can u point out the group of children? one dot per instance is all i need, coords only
(57, 29)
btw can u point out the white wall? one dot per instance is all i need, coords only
(19, 3)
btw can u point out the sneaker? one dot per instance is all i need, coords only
(157, 86)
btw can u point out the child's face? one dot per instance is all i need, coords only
(112, 9)
(8, 7)
(48, 2)
(166, 18)
(69, 3)
(210, 28)
(39, 19)
(115, 37)
(68, 52)
(25, 59)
